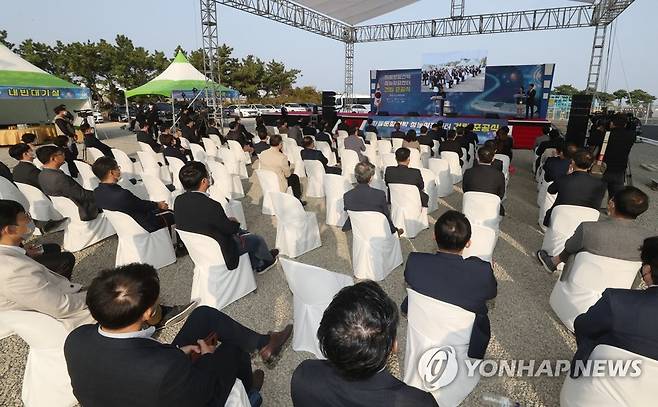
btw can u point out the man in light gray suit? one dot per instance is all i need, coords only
(355, 143)
(617, 237)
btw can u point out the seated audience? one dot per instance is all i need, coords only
(448, 277)
(396, 133)
(556, 167)
(5, 172)
(171, 149)
(483, 177)
(504, 142)
(295, 133)
(437, 132)
(491, 144)
(70, 153)
(357, 335)
(402, 174)
(469, 136)
(452, 144)
(212, 129)
(410, 140)
(553, 142)
(310, 153)
(144, 136)
(235, 134)
(365, 198)
(544, 137)
(55, 183)
(263, 144)
(578, 188)
(308, 129)
(91, 140)
(425, 139)
(116, 362)
(370, 128)
(274, 160)
(325, 136)
(196, 212)
(29, 285)
(355, 143)
(25, 171)
(282, 126)
(30, 139)
(623, 318)
(189, 131)
(617, 237)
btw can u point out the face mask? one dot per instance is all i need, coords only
(30, 230)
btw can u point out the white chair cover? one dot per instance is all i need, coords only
(455, 168)
(414, 159)
(483, 243)
(139, 190)
(136, 245)
(232, 164)
(406, 210)
(441, 168)
(198, 153)
(232, 208)
(269, 184)
(435, 147)
(542, 190)
(335, 187)
(608, 390)
(468, 163)
(388, 160)
(482, 208)
(312, 288)
(349, 160)
(375, 250)
(435, 324)
(87, 178)
(228, 182)
(315, 172)
(425, 154)
(175, 165)
(342, 133)
(549, 152)
(238, 396)
(430, 189)
(158, 191)
(10, 192)
(324, 147)
(506, 162)
(238, 153)
(65, 169)
(210, 146)
(299, 168)
(396, 143)
(384, 146)
(218, 142)
(93, 154)
(371, 137)
(583, 284)
(185, 143)
(272, 129)
(46, 380)
(151, 166)
(564, 221)
(546, 203)
(340, 141)
(128, 168)
(79, 234)
(40, 207)
(373, 156)
(213, 284)
(297, 231)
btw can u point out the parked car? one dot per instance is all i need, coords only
(243, 111)
(229, 111)
(264, 109)
(294, 107)
(118, 113)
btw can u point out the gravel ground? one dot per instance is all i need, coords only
(523, 325)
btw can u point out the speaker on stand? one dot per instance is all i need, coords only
(581, 106)
(329, 107)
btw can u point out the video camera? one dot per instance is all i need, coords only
(84, 113)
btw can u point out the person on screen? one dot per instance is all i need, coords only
(531, 103)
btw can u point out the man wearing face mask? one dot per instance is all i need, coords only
(92, 141)
(196, 212)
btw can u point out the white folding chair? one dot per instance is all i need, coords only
(414, 159)
(136, 245)
(430, 189)
(406, 209)
(349, 160)
(506, 162)
(158, 192)
(128, 168)
(232, 164)
(373, 156)
(175, 165)
(482, 208)
(86, 177)
(335, 187)
(151, 166)
(229, 182)
(212, 149)
(583, 284)
(40, 207)
(384, 146)
(215, 138)
(198, 153)
(388, 160)
(549, 152)
(324, 147)
(425, 155)
(342, 133)
(269, 184)
(213, 284)
(376, 250)
(79, 234)
(483, 243)
(93, 154)
(316, 173)
(138, 189)
(470, 161)
(313, 289)
(435, 326)
(10, 192)
(608, 390)
(396, 143)
(299, 168)
(564, 221)
(240, 157)
(46, 380)
(441, 168)
(185, 143)
(297, 231)
(455, 168)
(371, 137)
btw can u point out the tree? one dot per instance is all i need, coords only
(248, 77)
(278, 79)
(568, 90)
(3, 40)
(620, 95)
(605, 98)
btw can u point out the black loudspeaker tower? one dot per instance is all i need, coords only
(581, 106)
(329, 107)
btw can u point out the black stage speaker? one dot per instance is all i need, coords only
(581, 106)
(329, 107)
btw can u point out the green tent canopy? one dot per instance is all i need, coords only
(179, 76)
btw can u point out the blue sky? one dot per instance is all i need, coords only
(163, 24)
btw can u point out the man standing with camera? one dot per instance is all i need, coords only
(619, 145)
(64, 127)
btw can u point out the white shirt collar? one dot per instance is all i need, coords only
(144, 333)
(17, 249)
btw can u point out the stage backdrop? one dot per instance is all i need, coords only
(398, 92)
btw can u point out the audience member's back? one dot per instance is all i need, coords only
(579, 188)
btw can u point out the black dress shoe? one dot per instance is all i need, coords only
(53, 225)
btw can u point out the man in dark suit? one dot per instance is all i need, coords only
(188, 131)
(578, 188)
(556, 167)
(483, 177)
(310, 153)
(365, 198)
(619, 147)
(325, 136)
(295, 132)
(402, 174)
(235, 134)
(171, 149)
(437, 132)
(25, 171)
(196, 212)
(117, 362)
(554, 140)
(91, 140)
(448, 277)
(396, 133)
(623, 318)
(55, 183)
(496, 163)
(70, 153)
(531, 102)
(452, 144)
(425, 139)
(308, 129)
(357, 334)
(263, 144)
(5, 172)
(370, 128)
(143, 136)
(469, 136)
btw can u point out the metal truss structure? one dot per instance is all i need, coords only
(599, 15)
(210, 63)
